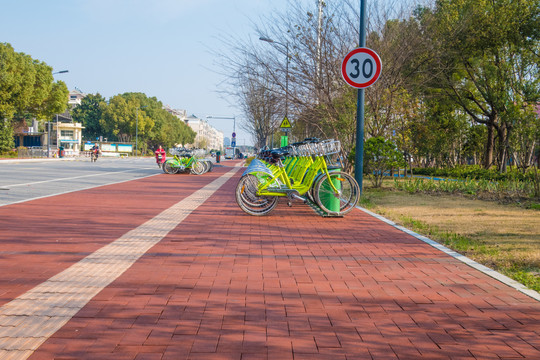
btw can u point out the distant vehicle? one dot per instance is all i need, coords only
(229, 153)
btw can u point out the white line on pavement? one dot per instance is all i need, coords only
(74, 190)
(73, 177)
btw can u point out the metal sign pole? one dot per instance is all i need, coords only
(359, 158)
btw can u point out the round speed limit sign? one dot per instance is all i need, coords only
(361, 67)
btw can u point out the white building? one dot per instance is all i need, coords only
(67, 134)
(64, 132)
(180, 114)
(207, 136)
(75, 97)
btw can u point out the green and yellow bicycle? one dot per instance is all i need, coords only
(299, 172)
(185, 160)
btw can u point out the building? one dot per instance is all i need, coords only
(67, 134)
(207, 136)
(75, 98)
(28, 137)
(59, 131)
(180, 114)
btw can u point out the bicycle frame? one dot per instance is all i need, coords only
(281, 178)
(181, 163)
(303, 176)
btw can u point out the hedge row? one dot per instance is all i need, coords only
(479, 173)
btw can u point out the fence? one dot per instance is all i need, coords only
(32, 152)
(41, 152)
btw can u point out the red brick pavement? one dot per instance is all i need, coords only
(43, 237)
(291, 285)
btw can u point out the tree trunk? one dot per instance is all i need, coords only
(504, 139)
(490, 144)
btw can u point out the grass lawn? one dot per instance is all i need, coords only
(503, 237)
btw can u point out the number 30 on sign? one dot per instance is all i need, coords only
(361, 67)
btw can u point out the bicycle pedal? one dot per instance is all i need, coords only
(289, 203)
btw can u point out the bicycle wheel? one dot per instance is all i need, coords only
(197, 168)
(168, 169)
(337, 203)
(247, 199)
(206, 166)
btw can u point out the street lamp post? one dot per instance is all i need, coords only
(268, 40)
(233, 118)
(49, 123)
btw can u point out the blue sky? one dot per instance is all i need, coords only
(163, 48)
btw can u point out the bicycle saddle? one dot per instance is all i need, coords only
(279, 153)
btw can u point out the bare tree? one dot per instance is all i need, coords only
(301, 68)
(260, 107)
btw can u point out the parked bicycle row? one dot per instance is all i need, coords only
(185, 160)
(307, 171)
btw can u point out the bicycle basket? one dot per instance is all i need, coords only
(329, 147)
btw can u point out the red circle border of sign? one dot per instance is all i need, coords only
(374, 55)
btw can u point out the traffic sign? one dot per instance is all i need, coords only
(361, 67)
(233, 142)
(233, 134)
(285, 123)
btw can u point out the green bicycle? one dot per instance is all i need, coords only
(183, 161)
(300, 172)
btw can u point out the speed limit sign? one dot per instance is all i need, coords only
(361, 67)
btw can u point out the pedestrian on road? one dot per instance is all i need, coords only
(160, 156)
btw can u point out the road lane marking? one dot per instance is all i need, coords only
(74, 177)
(74, 190)
(29, 320)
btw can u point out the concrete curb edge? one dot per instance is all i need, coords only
(482, 268)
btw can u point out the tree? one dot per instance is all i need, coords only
(484, 56)
(525, 139)
(17, 77)
(125, 118)
(134, 114)
(320, 102)
(26, 90)
(89, 114)
(260, 107)
(380, 155)
(168, 130)
(6, 135)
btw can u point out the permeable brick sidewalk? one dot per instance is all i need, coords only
(290, 285)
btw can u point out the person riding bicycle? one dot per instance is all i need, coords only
(95, 150)
(160, 156)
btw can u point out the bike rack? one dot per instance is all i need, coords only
(320, 211)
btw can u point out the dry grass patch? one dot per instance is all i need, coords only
(503, 237)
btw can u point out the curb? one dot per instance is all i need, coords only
(482, 268)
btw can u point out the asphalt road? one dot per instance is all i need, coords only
(26, 180)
